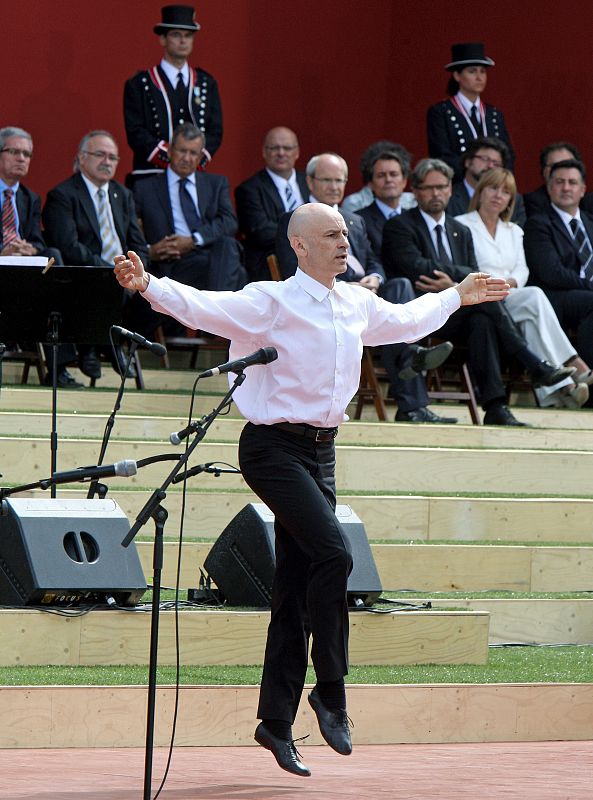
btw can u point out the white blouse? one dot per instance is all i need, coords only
(501, 255)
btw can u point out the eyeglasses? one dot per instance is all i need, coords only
(14, 151)
(492, 162)
(185, 151)
(438, 187)
(331, 181)
(101, 155)
(278, 148)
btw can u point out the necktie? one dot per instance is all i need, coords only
(9, 231)
(291, 202)
(584, 252)
(188, 207)
(180, 86)
(473, 115)
(442, 254)
(109, 242)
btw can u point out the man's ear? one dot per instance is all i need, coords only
(298, 245)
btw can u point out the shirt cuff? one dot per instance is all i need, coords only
(450, 299)
(155, 289)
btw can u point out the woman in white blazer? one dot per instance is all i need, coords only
(498, 243)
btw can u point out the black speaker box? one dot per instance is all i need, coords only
(242, 560)
(66, 552)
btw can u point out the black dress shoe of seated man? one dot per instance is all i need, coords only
(283, 750)
(547, 374)
(333, 725)
(502, 415)
(423, 414)
(425, 358)
(89, 364)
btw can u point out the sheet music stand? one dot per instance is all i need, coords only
(64, 305)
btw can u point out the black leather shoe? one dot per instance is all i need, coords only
(283, 751)
(333, 725)
(426, 358)
(90, 365)
(547, 374)
(422, 414)
(65, 380)
(119, 361)
(502, 415)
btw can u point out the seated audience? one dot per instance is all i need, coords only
(91, 218)
(453, 123)
(363, 198)
(434, 252)
(498, 244)
(539, 200)
(20, 226)
(388, 173)
(188, 219)
(482, 154)
(327, 175)
(262, 199)
(558, 248)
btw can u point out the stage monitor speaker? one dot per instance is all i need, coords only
(66, 552)
(242, 560)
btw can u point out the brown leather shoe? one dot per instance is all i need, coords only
(283, 750)
(334, 725)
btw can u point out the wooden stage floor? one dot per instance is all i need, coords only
(530, 771)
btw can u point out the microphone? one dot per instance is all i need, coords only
(124, 469)
(154, 347)
(262, 356)
(178, 436)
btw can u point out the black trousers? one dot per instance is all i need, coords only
(574, 309)
(487, 332)
(295, 477)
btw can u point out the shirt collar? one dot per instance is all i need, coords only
(430, 221)
(4, 186)
(93, 188)
(171, 72)
(469, 189)
(565, 216)
(386, 210)
(317, 290)
(467, 104)
(173, 178)
(279, 181)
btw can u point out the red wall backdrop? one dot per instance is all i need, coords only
(342, 73)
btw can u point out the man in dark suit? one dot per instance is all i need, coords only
(188, 219)
(558, 248)
(158, 100)
(484, 153)
(538, 201)
(388, 175)
(327, 175)
(435, 252)
(20, 224)
(91, 218)
(262, 199)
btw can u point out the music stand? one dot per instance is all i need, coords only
(65, 305)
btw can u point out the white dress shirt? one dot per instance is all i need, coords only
(432, 223)
(503, 255)
(318, 333)
(172, 72)
(179, 222)
(93, 190)
(281, 183)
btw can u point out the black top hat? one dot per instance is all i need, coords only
(466, 54)
(179, 18)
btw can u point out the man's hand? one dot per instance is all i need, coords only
(371, 282)
(183, 244)
(130, 272)
(479, 287)
(164, 250)
(19, 247)
(437, 284)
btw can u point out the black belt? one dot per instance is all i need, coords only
(318, 434)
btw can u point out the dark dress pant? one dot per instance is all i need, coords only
(295, 478)
(574, 309)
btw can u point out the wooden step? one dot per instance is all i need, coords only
(29, 636)
(115, 716)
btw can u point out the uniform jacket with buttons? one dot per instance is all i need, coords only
(147, 114)
(449, 133)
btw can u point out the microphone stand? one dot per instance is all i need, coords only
(154, 508)
(95, 487)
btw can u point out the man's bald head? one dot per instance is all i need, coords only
(280, 151)
(319, 237)
(327, 174)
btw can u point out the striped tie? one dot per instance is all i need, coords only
(584, 252)
(110, 243)
(291, 202)
(9, 231)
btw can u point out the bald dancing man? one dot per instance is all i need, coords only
(286, 450)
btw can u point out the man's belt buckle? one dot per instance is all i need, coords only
(325, 435)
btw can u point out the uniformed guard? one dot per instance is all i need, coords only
(453, 123)
(158, 100)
